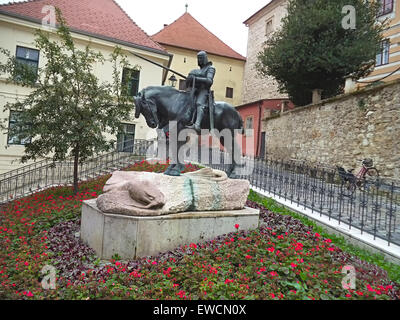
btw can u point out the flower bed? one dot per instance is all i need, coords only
(283, 259)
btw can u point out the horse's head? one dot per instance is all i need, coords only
(147, 108)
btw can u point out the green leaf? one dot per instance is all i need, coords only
(285, 270)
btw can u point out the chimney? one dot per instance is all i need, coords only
(316, 96)
(350, 85)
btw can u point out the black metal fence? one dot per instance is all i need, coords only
(44, 174)
(372, 207)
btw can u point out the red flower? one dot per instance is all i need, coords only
(237, 226)
(193, 245)
(299, 246)
(369, 288)
(182, 294)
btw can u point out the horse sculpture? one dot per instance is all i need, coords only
(162, 104)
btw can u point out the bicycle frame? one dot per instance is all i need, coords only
(361, 174)
(353, 181)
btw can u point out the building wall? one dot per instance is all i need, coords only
(229, 72)
(392, 34)
(256, 87)
(258, 111)
(18, 32)
(341, 130)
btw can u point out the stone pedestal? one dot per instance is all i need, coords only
(138, 236)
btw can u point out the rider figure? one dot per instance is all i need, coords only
(204, 78)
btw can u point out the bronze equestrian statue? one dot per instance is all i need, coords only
(163, 106)
(202, 80)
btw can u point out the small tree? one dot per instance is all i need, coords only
(314, 50)
(69, 110)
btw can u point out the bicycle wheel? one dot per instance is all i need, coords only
(348, 188)
(371, 178)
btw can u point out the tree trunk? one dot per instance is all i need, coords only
(76, 163)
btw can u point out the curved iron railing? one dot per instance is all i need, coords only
(46, 173)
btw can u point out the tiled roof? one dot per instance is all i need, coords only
(186, 32)
(104, 18)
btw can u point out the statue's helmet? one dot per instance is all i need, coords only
(202, 58)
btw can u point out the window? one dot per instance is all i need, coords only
(15, 126)
(125, 139)
(182, 84)
(383, 55)
(249, 122)
(130, 79)
(268, 27)
(249, 126)
(386, 6)
(27, 57)
(229, 92)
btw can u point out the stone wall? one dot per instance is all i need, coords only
(256, 87)
(341, 130)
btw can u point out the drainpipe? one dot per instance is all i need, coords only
(259, 128)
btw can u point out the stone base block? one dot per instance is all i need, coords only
(131, 236)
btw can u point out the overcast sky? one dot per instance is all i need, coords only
(224, 18)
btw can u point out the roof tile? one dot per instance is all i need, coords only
(186, 32)
(98, 17)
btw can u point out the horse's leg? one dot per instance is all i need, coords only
(235, 152)
(170, 158)
(238, 165)
(164, 142)
(228, 148)
(176, 167)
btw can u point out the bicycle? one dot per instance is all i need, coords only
(367, 176)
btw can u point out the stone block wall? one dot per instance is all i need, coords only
(342, 130)
(256, 87)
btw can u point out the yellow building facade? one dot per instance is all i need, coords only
(387, 66)
(17, 32)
